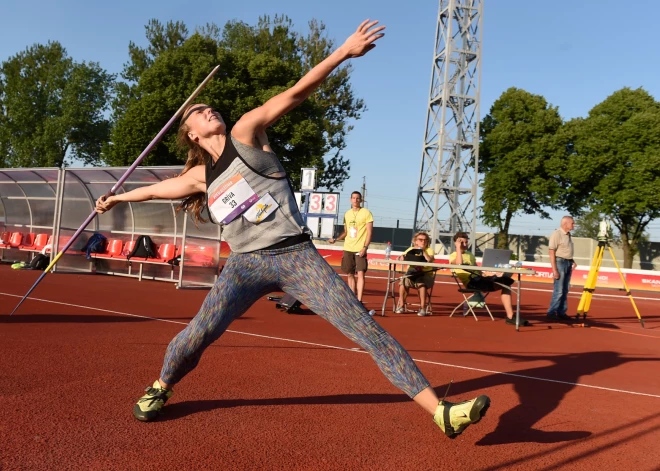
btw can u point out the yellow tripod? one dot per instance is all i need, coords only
(590, 284)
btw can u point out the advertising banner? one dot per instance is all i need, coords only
(637, 280)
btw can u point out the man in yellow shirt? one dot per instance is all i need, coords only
(358, 228)
(475, 280)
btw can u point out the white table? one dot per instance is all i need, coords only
(392, 278)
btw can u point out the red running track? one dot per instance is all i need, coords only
(289, 392)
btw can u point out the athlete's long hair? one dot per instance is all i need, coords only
(193, 204)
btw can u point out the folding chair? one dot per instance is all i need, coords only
(429, 296)
(429, 293)
(466, 303)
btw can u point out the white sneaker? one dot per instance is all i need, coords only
(422, 313)
(399, 310)
(372, 312)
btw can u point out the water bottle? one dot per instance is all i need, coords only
(388, 251)
(518, 265)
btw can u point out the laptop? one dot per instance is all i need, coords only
(493, 257)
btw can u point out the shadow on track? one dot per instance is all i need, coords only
(536, 400)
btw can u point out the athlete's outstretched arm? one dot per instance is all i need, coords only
(191, 182)
(257, 120)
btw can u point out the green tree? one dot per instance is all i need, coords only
(161, 38)
(614, 164)
(166, 73)
(518, 139)
(256, 63)
(52, 108)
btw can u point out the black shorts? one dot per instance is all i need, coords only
(352, 263)
(489, 283)
(426, 280)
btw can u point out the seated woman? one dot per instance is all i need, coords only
(420, 278)
(479, 282)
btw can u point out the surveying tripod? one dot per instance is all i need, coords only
(590, 284)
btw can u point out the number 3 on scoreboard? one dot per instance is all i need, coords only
(330, 203)
(315, 200)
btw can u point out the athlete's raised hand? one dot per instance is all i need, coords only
(362, 41)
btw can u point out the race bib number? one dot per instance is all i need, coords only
(261, 209)
(231, 199)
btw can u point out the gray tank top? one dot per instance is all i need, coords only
(255, 166)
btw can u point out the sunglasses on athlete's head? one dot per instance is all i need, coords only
(192, 110)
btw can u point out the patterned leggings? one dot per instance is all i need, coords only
(301, 272)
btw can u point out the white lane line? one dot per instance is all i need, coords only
(515, 375)
(92, 308)
(282, 339)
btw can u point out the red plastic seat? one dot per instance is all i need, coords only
(28, 241)
(40, 241)
(166, 252)
(63, 241)
(115, 247)
(130, 245)
(16, 239)
(75, 247)
(49, 245)
(5, 236)
(128, 248)
(112, 249)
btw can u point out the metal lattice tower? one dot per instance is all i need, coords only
(447, 192)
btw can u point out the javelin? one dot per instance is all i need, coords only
(121, 181)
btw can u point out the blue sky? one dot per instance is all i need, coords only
(574, 53)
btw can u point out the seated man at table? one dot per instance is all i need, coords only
(475, 280)
(420, 278)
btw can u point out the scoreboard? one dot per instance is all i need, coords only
(319, 209)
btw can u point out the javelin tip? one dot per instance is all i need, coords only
(28, 293)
